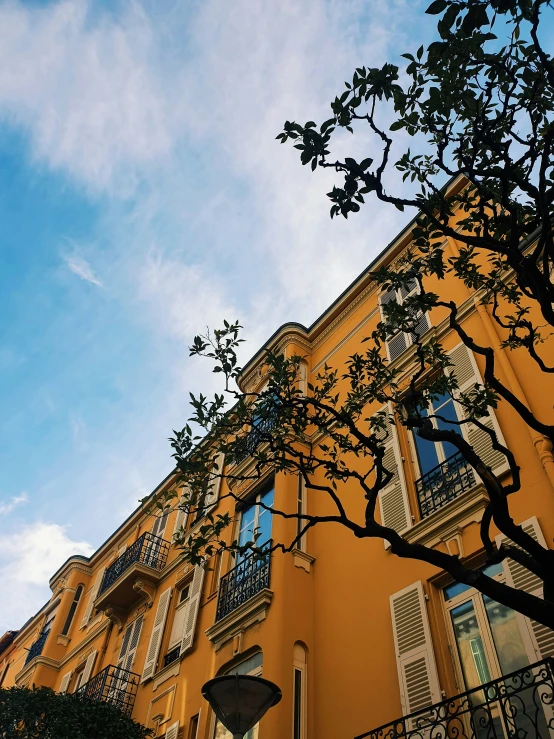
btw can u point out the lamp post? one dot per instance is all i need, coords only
(240, 701)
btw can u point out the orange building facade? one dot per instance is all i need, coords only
(353, 636)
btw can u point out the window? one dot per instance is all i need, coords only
(193, 726)
(299, 715)
(398, 343)
(300, 510)
(250, 666)
(72, 610)
(79, 674)
(489, 640)
(182, 600)
(256, 520)
(432, 453)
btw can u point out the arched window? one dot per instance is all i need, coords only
(299, 707)
(250, 666)
(72, 609)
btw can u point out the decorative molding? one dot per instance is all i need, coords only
(252, 612)
(115, 615)
(372, 313)
(63, 639)
(303, 560)
(68, 568)
(146, 589)
(168, 708)
(171, 670)
(24, 675)
(447, 524)
(78, 648)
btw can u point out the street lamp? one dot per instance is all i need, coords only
(240, 701)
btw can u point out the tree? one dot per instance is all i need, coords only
(476, 108)
(41, 713)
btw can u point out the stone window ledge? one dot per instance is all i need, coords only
(252, 612)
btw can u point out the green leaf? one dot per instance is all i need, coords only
(436, 7)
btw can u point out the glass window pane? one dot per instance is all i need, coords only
(451, 591)
(246, 532)
(447, 411)
(426, 454)
(470, 645)
(264, 518)
(510, 649)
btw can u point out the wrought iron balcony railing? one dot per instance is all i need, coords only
(37, 647)
(172, 656)
(112, 685)
(444, 483)
(517, 706)
(148, 550)
(257, 434)
(242, 582)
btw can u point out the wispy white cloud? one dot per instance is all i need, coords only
(80, 267)
(8, 506)
(28, 559)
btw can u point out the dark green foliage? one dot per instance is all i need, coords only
(41, 713)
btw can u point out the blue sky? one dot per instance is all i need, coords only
(143, 196)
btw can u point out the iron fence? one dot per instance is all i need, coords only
(147, 550)
(112, 685)
(242, 582)
(259, 432)
(444, 483)
(37, 647)
(516, 706)
(172, 655)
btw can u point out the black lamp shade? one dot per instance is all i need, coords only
(240, 701)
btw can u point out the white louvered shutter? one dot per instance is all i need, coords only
(89, 664)
(467, 373)
(182, 516)
(173, 731)
(158, 529)
(393, 498)
(398, 343)
(92, 597)
(212, 493)
(156, 636)
(423, 324)
(136, 628)
(192, 609)
(415, 659)
(64, 684)
(542, 638)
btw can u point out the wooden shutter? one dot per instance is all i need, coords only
(158, 529)
(89, 664)
(398, 344)
(182, 516)
(156, 636)
(136, 628)
(173, 731)
(192, 609)
(393, 498)
(212, 493)
(92, 597)
(415, 659)
(467, 374)
(542, 638)
(64, 684)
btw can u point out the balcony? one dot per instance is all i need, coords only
(142, 561)
(443, 483)
(37, 647)
(516, 706)
(256, 436)
(112, 685)
(248, 578)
